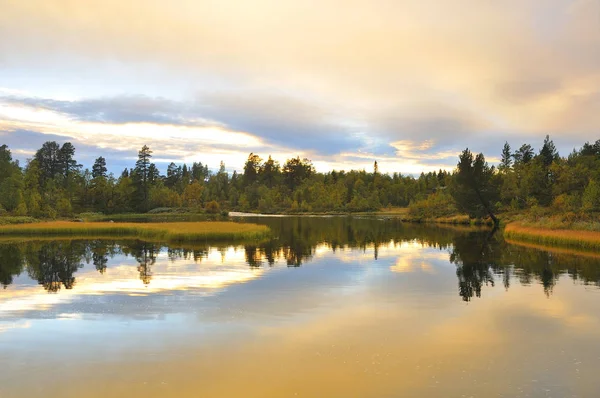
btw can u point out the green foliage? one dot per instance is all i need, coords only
(548, 153)
(99, 169)
(439, 204)
(64, 208)
(252, 169)
(192, 196)
(297, 170)
(12, 192)
(475, 188)
(212, 207)
(507, 158)
(523, 155)
(567, 202)
(9, 220)
(591, 196)
(52, 185)
(143, 176)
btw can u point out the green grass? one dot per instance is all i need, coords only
(151, 217)
(181, 232)
(10, 220)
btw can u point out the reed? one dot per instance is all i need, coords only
(560, 237)
(180, 232)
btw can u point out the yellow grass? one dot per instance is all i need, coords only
(393, 211)
(172, 232)
(564, 237)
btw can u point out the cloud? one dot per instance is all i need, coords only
(118, 110)
(286, 121)
(322, 79)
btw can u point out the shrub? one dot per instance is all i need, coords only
(438, 204)
(21, 210)
(64, 207)
(566, 203)
(160, 210)
(591, 196)
(17, 220)
(212, 207)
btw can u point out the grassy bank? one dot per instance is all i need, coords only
(583, 239)
(168, 232)
(453, 220)
(11, 220)
(405, 215)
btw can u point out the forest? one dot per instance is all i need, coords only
(52, 184)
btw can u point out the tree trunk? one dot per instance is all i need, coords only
(494, 218)
(487, 208)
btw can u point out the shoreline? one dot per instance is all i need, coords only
(175, 229)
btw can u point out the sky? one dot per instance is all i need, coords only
(408, 83)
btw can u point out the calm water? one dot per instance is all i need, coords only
(333, 307)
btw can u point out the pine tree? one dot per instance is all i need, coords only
(506, 162)
(548, 153)
(523, 155)
(68, 164)
(475, 192)
(99, 169)
(141, 178)
(269, 172)
(251, 169)
(49, 161)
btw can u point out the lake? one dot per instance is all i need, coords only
(330, 307)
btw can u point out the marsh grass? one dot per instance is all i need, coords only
(584, 239)
(178, 232)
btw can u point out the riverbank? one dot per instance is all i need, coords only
(577, 238)
(177, 232)
(12, 220)
(152, 217)
(396, 213)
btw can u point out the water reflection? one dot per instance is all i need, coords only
(357, 307)
(481, 257)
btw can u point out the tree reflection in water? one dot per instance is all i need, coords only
(145, 254)
(53, 264)
(11, 263)
(481, 257)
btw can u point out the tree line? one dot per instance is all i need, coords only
(528, 181)
(53, 184)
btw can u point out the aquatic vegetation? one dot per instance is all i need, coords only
(171, 232)
(534, 234)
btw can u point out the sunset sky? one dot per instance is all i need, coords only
(409, 83)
